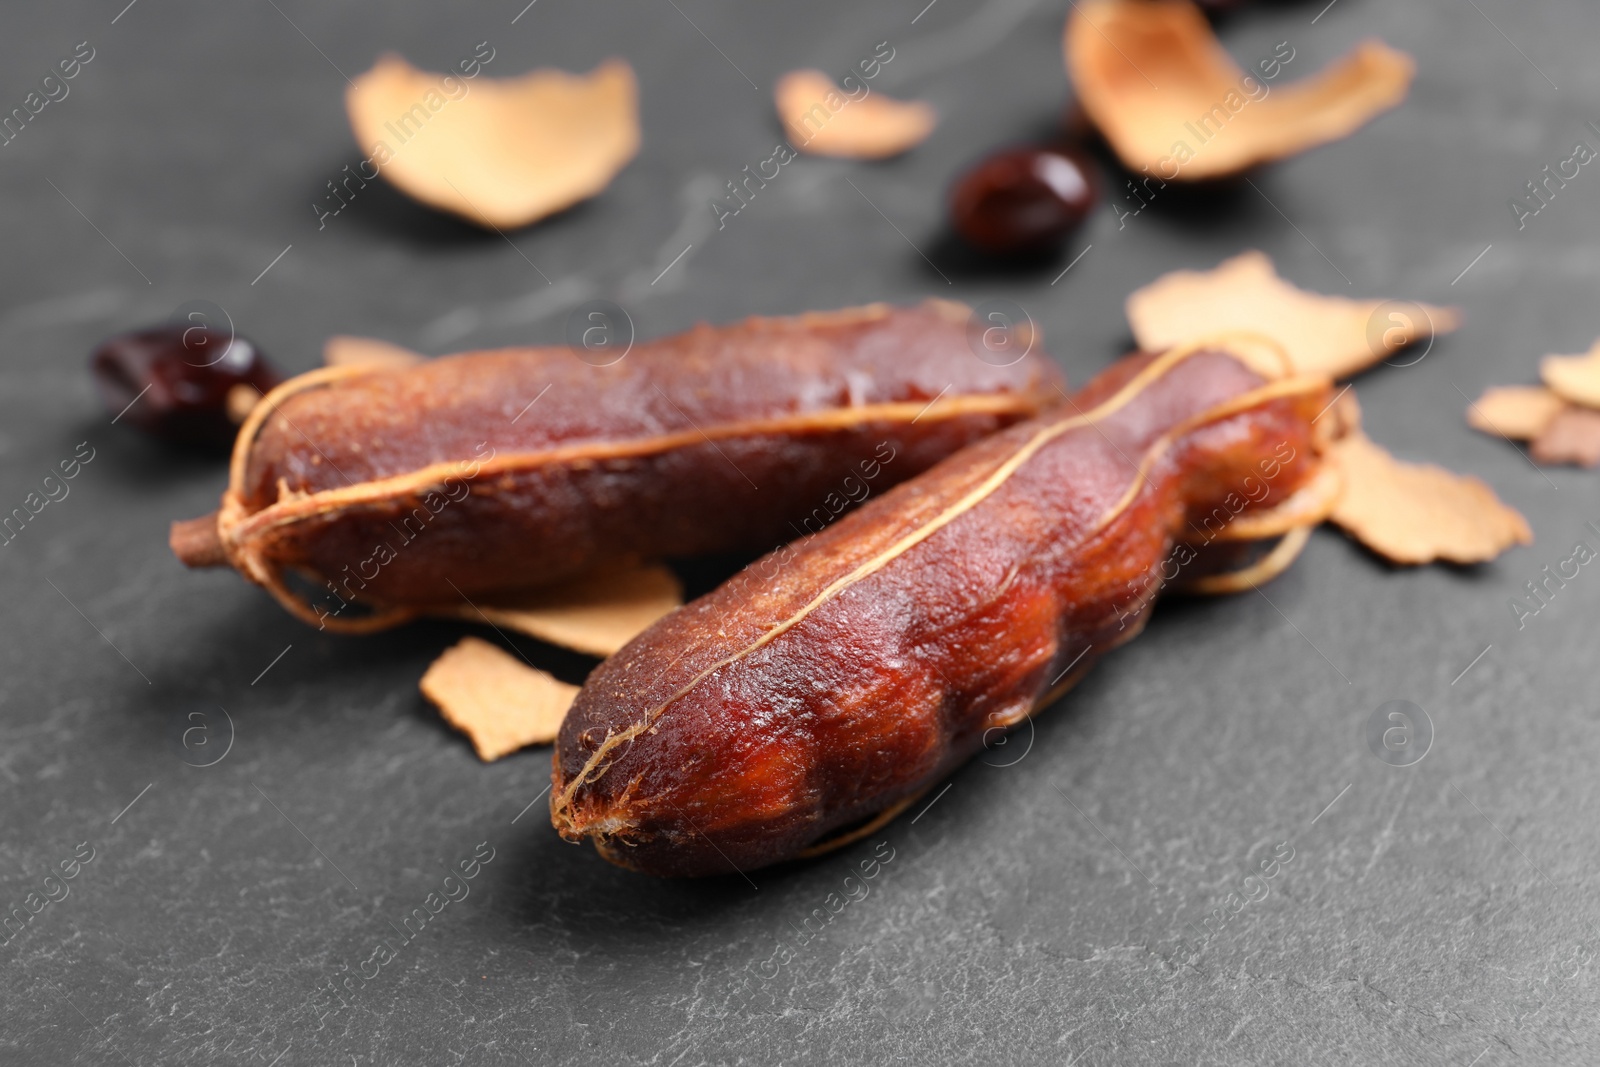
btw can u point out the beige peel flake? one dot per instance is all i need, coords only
(499, 702)
(1574, 378)
(1515, 412)
(1416, 513)
(499, 152)
(344, 351)
(1331, 335)
(818, 118)
(596, 614)
(1151, 75)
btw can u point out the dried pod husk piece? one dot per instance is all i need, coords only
(1515, 412)
(1416, 513)
(1573, 436)
(240, 401)
(1574, 378)
(472, 480)
(499, 702)
(499, 152)
(1330, 335)
(342, 350)
(596, 613)
(820, 119)
(1172, 103)
(841, 675)
(1560, 419)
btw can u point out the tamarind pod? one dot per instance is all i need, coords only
(485, 474)
(842, 674)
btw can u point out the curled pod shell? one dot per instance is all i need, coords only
(839, 677)
(484, 475)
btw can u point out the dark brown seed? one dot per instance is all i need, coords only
(190, 385)
(1022, 200)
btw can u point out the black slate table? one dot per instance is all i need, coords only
(1050, 905)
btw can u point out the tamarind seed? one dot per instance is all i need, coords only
(188, 385)
(1022, 200)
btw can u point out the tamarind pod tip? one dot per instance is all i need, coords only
(197, 543)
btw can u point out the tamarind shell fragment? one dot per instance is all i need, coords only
(480, 476)
(838, 677)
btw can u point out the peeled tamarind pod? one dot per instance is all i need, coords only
(836, 679)
(406, 490)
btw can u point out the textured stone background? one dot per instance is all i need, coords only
(1041, 912)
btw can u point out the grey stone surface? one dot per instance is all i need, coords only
(1048, 911)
